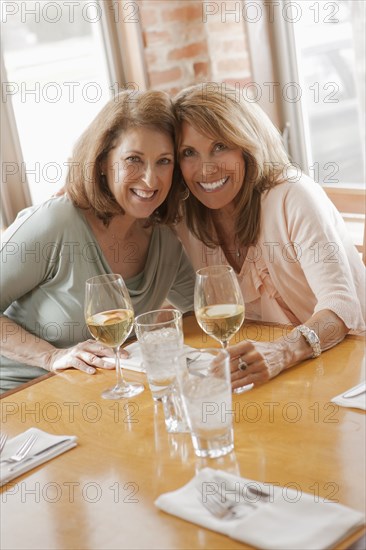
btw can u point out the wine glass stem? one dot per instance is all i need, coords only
(224, 344)
(120, 381)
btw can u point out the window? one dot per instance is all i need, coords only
(61, 62)
(331, 63)
(56, 68)
(308, 58)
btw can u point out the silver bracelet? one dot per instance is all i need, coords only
(311, 338)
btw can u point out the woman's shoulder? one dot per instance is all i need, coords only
(297, 189)
(61, 207)
(49, 217)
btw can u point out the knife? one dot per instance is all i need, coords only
(239, 496)
(41, 452)
(361, 388)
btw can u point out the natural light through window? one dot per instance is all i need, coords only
(56, 80)
(331, 57)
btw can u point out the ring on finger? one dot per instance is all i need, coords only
(242, 365)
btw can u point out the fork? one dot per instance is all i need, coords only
(3, 439)
(223, 509)
(22, 451)
(226, 509)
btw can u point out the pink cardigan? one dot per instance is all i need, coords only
(304, 260)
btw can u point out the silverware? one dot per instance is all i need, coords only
(228, 506)
(3, 439)
(257, 491)
(23, 450)
(251, 487)
(54, 445)
(224, 509)
(361, 388)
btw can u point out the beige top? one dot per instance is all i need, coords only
(304, 260)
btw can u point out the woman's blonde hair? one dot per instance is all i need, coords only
(225, 116)
(86, 184)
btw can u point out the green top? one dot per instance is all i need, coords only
(49, 252)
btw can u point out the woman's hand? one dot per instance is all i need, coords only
(261, 361)
(258, 362)
(86, 356)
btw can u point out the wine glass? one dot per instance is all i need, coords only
(218, 302)
(109, 317)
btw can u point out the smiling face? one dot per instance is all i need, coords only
(139, 170)
(213, 171)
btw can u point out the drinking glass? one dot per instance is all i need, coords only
(109, 317)
(205, 386)
(218, 302)
(160, 334)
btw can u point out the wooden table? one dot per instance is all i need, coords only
(100, 495)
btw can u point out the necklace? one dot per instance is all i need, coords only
(239, 250)
(241, 253)
(226, 234)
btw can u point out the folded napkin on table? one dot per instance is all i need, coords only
(135, 361)
(46, 446)
(287, 521)
(356, 402)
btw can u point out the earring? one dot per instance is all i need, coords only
(186, 194)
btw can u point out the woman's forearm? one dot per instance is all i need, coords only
(329, 328)
(22, 346)
(265, 360)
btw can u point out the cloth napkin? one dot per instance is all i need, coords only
(356, 402)
(47, 446)
(135, 360)
(288, 521)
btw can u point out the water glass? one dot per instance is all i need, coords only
(160, 334)
(204, 381)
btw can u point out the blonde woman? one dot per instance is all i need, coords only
(118, 196)
(250, 208)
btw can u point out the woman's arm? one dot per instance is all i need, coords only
(308, 219)
(266, 360)
(23, 347)
(27, 261)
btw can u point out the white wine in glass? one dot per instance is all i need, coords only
(218, 302)
(109, 317)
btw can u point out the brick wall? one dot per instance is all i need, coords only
(185, 42)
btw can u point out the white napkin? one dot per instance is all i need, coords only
(356, 402)
(288, 521)
(135, 361)
(59, 444)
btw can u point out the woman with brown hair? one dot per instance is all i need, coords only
(250, 208)
(114, 219)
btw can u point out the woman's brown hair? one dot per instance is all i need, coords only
(85, 183)
(238, 123)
